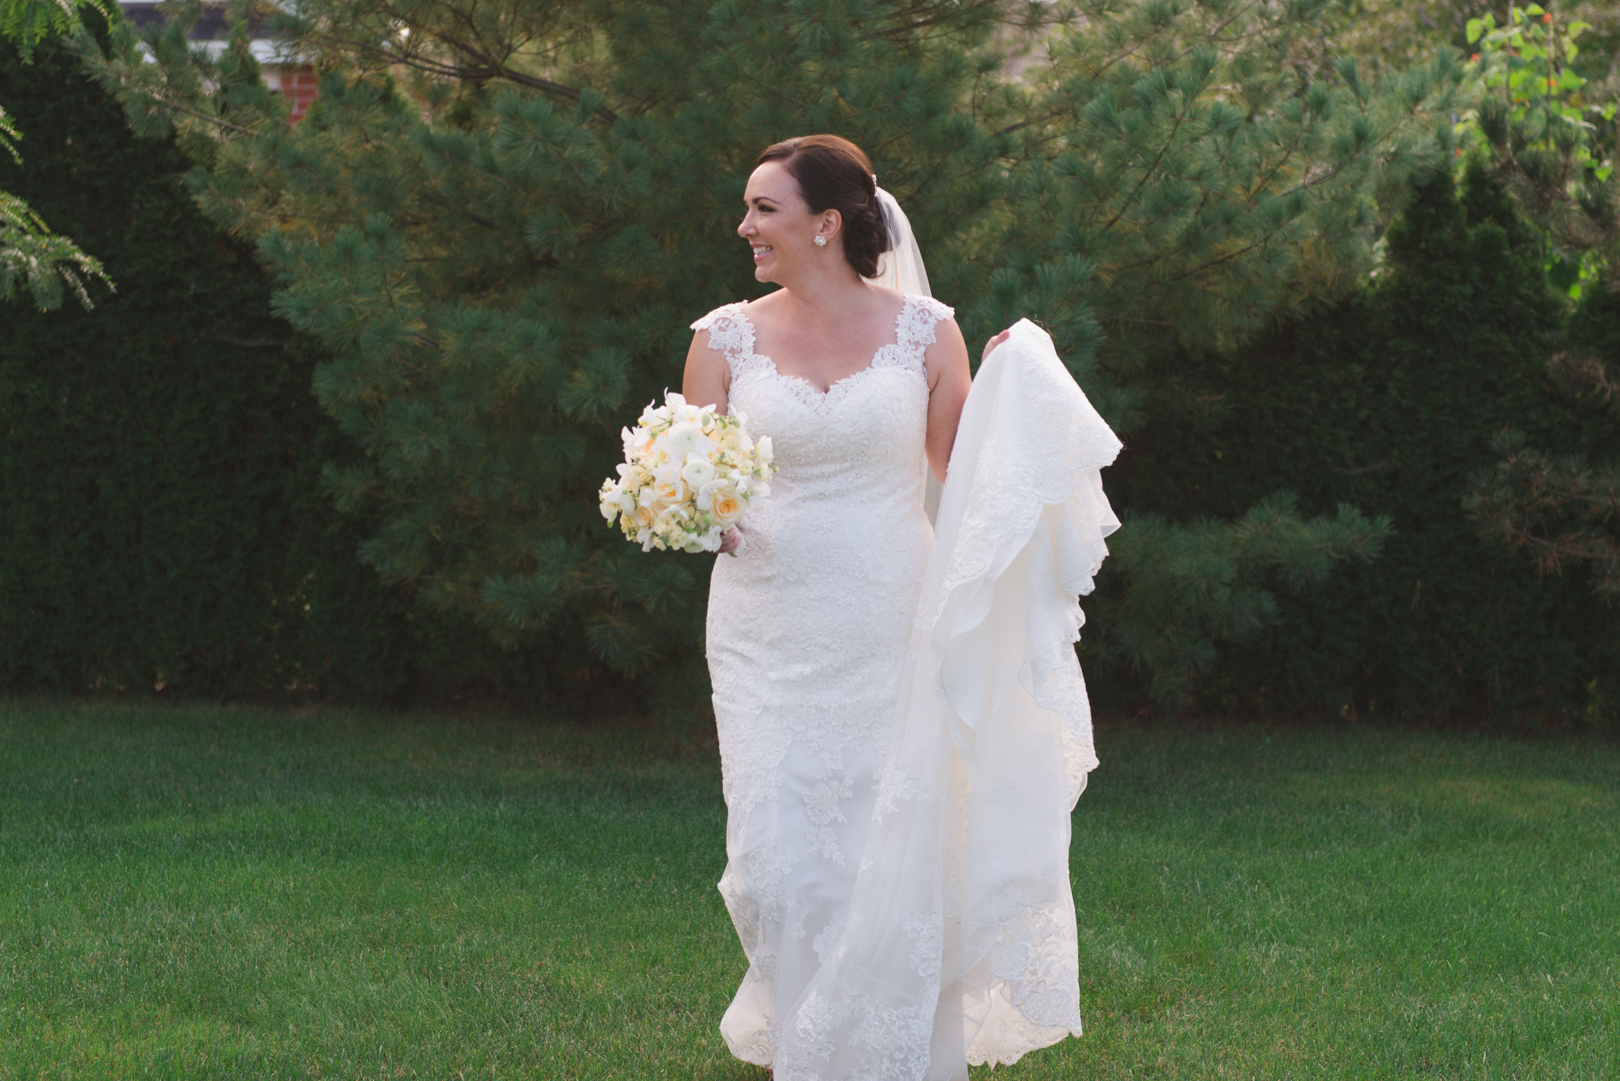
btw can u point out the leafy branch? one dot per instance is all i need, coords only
(32, 258)
(35, 261)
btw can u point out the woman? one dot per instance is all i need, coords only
(860, 388)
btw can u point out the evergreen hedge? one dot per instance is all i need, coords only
(1389, 402)
(163, 522)
(147, 443)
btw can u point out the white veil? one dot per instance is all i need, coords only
(901, 267)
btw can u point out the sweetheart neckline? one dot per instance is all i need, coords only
(871, 365)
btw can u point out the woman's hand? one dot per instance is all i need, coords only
(730, 541)
(990, 345)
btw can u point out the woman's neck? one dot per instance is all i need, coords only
(827, 296)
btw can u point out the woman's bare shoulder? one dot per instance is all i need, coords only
(762, 306)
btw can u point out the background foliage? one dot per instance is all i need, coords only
(161, 516)
(1548, 129)
(498, 223)
(1391, 401)
(489, 233)
(34, 260)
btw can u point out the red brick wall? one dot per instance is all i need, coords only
(299, 85)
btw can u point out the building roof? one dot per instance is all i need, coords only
(210, 23)
(211, 28)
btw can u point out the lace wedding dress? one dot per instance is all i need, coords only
(902, 726)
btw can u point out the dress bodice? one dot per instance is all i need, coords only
(859, 443)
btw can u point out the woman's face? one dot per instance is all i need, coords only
(779, 225)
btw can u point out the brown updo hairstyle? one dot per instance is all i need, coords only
(835, 174)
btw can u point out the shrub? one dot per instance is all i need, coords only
(1389, 402)
(162, 517)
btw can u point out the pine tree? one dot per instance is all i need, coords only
(499, 222)
(32, 258)
(1191, 186)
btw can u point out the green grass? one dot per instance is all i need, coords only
(198, 892)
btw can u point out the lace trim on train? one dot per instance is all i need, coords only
(1034, 952)
(887, 1042)
(1035, 955)
(1016, 489)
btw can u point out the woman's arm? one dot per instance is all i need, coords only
(708, 382)
(708, 377)
(948, 383)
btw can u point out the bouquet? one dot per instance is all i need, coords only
(688, 474)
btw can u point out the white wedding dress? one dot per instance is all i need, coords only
(897, 839)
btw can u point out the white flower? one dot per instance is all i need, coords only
(705, 495)
(637, 440)
(667, 484)
(684, 438)
(764, 451)
(658, 453)
(698, 470)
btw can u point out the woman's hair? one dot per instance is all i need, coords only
(835, 174)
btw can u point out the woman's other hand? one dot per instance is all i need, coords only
(730, 541)
(990, 345)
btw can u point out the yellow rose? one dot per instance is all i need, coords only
(727, 507)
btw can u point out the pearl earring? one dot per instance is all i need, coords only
(821, 241)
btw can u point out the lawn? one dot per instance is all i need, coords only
(195, 892)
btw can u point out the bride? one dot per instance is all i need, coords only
(902, 728)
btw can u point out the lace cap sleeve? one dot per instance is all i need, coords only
(919, 318)
(730, 331)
